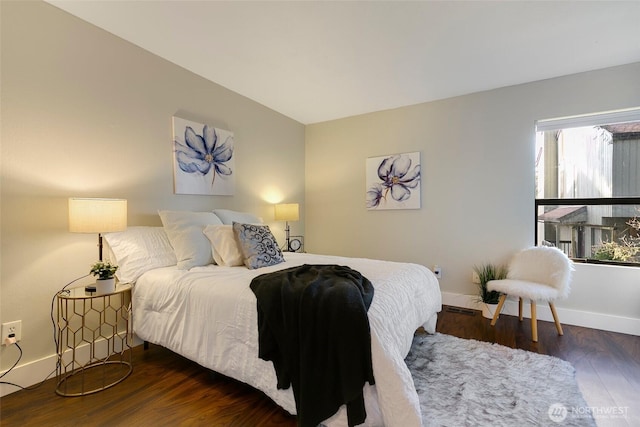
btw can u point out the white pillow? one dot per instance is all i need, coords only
(138, 250)
(229, 217)
(185, 232)
(224, 247)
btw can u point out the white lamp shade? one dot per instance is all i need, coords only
(97, 215)
(287, 212)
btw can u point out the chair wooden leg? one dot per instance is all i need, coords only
(555, 318)
(503, 298)
(520, 308)
(534, 322)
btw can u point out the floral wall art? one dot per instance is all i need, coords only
(393, 181)
(203, 159)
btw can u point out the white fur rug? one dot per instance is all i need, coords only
(471, 383)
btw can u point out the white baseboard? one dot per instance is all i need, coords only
(606, 322)
(32, 373)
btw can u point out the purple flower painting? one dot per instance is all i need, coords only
(203, 159)
(393, 182)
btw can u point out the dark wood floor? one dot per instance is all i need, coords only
(166, 389)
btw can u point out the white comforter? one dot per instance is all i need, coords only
(208, 314)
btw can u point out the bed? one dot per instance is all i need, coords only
(208, 314)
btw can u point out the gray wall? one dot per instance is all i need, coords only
(477, 183)
(87, 114)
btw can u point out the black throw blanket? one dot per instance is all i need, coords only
(313, 326)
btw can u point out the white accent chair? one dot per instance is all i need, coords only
(540, 273)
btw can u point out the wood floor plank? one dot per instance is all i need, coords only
(167, 389)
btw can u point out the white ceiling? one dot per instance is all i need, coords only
(319, 60)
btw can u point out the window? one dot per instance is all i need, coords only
(588, 186)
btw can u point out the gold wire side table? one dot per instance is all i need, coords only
(94, 351)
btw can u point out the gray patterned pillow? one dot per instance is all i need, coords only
(257, 244)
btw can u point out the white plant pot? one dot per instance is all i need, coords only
(104, 286)
(488, 310)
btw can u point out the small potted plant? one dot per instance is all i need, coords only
(104, 271)
(487, 272)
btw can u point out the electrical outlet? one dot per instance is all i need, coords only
(12, 328)
(475, 278)
(437, 271)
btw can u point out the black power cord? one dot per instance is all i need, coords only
(33, 387)
(55, 340)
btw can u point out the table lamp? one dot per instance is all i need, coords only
(97, 216)
(287, 212)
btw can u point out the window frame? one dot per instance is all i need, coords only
(594, 119)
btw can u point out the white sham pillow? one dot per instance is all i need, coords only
(185, 232)
(228, 217)
(224, 247)
(138, 250)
